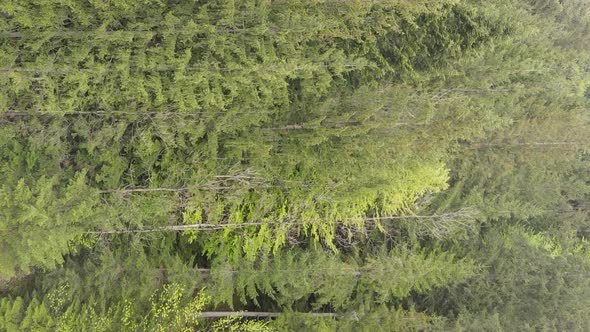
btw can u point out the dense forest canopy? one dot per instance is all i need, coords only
(295, 165)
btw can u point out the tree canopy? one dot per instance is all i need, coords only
(258, 165)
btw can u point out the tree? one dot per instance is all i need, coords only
(39, 221)
(533, 281)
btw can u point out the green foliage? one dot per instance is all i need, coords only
(351, 165)
(341, 283)
(379, 319)
(16, 316)
(39, 221)
(528, 276)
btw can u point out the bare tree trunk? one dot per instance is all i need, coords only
(179, 228)
(221, 182)
(142, 190)
(108, 113)
(526, 144)
(252, 314)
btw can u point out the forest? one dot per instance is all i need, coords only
(295, 165)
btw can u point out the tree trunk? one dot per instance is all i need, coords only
(252, 314)
(180, 228)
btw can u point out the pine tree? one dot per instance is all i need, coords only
(39, 221)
